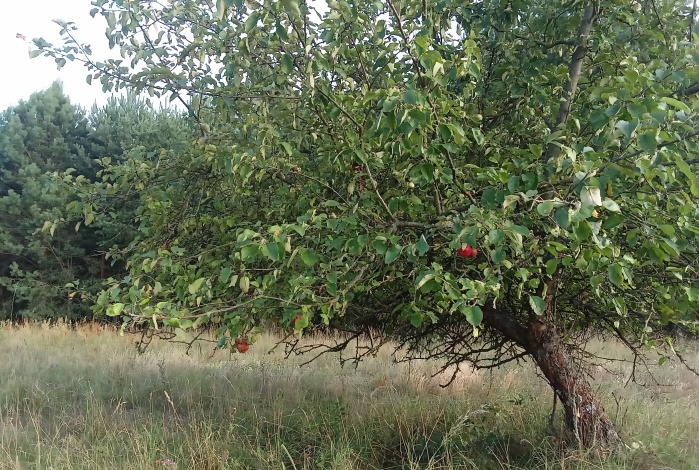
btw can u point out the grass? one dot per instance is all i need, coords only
(84, 399)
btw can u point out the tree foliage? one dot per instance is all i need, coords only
(347, 155)
(42, 140)
(38, 138)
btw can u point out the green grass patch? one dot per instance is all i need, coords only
(84, 399)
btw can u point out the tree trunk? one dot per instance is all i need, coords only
(585, 418)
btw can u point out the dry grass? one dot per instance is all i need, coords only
(84, 399)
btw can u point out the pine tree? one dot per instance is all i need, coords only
(39, 138)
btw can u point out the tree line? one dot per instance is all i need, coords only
(44, 259)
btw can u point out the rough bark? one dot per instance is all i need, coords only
(586, 420)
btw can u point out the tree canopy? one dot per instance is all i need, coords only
(352, 157)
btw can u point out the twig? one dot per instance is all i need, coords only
(406, 40)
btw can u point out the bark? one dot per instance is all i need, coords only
(574, 72)
(586, 420)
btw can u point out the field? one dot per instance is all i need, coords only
(85, 399)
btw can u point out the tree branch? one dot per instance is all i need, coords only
(692, 15)
(660, 146)
(506, 325)
(574, 72)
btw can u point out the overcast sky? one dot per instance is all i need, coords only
(21, 76)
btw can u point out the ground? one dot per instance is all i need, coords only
(85, 399)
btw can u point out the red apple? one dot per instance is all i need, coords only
(241, 345)
(465, 252)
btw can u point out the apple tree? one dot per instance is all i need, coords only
(476, 182)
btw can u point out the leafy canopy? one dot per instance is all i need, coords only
(346, 154)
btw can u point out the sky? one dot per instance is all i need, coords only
(21, 76)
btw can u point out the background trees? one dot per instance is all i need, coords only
(41, 255)
(346, 156)
(39, 138)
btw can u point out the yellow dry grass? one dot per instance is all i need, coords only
(83, 398)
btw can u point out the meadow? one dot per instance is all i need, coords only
(84, 398)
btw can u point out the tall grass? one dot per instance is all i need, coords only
(84, 399)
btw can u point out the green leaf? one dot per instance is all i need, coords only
(415, 319)
(225, 274)
(287, 148)
(687, 171)
(453, 292)
(473, 314)
(524, 231)
(393, 253)
(627, 127)
(111, 20)
(379, 246)
(309, 257)
(668, 230)
(647, 142)
(596, 280)
(251, 22)
(292, 7)
(287, 64)
(613, 221)
(422, 245)
(478, 136)
(444, 132)
(272, 251)
(551, 266)
(424, 278)
(676, 104)
(194, 287)
(498, 256)
(582, 231)
(537, 304)
(615, 274)
(389, 104)
(611, 205)
(545, 208)
(115, 310)
(584, 212)
(220, 9)
(410, 97)
(249, 252)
